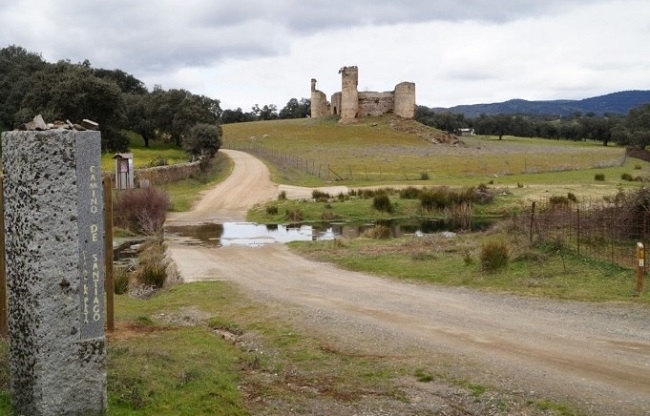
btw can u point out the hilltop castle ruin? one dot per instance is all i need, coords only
(350, 104)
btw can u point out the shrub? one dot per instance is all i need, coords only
(366, 193)
(294, 215)
(494, 255)
(141, 210)
(152, 265)
(627, 177)
(320, 196)
(271, 209)
(558, 201)
(460, 216)
(637, 167)
(424, 176)
(157, 161)
(371, 193)
(329, 216)
(379, 232)
(282, 196)
(435, 199)
(121, 280)
(599, 177)
(571, 197)
(382, 203)
(410, 193)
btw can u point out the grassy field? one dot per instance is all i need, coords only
(147, 156)
(540, 271)
(381, 151)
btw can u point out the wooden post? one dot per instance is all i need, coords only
(532, 220)
(640, 269)
(109, 283)
(4, 330)
(578, 229)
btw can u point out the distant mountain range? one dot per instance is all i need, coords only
(618, 102)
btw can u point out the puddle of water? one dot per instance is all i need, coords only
(249, 234)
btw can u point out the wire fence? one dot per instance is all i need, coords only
(442, 166)
(604, 230)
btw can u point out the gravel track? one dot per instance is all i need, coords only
(596, 357)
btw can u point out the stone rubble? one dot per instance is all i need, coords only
(38, 124)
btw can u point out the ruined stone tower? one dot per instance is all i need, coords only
(319, 105)
(350, 104)
(405, 99)
(349, 93)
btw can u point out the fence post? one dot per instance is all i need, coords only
(578, 229)
(532, 219)
(640, 269)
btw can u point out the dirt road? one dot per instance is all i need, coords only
(594, 356)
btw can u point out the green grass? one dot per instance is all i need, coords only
(180, 371)
(144, 156)
(156, 367)
(356, 208)
(530, 272)
(372, 152)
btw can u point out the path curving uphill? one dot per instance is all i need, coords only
(594, 356)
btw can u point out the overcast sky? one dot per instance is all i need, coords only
(246, 52)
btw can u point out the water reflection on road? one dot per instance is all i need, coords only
(248, 234)
(251, 234)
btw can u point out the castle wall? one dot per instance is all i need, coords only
(405, 99)
(336, 104)
(373, 104)
(350, 104)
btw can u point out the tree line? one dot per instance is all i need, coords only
(119, 102)
(632, 129)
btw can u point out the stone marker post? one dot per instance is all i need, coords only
(54, 252)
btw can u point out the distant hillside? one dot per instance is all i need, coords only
(618, 102)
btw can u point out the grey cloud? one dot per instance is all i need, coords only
(304, 16)
(151, 36)
(472, 74)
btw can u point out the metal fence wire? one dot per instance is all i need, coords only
(603, 230)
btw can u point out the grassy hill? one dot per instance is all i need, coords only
(388, 150)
